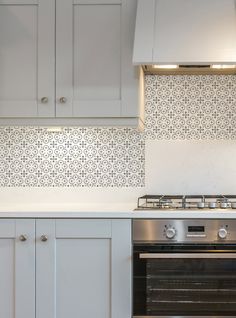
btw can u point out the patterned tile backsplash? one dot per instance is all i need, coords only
(191, 107)
(177, 107)
(78, 157)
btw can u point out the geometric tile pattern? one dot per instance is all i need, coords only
(177, 107)
(191, 107)
(77, 157)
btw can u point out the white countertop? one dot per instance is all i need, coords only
(89, 203)
(114, 211)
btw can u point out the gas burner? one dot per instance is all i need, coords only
(161, 202)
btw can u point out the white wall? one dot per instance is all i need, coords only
(191, 167)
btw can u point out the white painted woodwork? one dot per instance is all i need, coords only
(200, 31)
(141, 98)
(129, 73)
(134, 122)
(185, 32)
(19, 2)
(17, 269)
(26, 58)
(97, 1)
(7, 291)
(144, 32)
(121, 269)
(94, 47)
(46, 57)
(97, 35)
(45, 269)
(83, 229)
(83, 278)
(83, 269)
(93, 59)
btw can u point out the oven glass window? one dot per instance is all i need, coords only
(184, 287)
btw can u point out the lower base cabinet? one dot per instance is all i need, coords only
(65, 268)
(17, 268)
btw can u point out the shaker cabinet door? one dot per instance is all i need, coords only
(17, 268)
(94, 43)
(27, 58)
(83, 268)
(68, 59)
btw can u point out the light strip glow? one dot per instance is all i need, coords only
(165, 66)
(222, 66)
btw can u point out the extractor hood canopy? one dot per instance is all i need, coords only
(186, 36)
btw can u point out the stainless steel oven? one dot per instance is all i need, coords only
(184, 268)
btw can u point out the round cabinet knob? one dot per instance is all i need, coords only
(44, 238)
(62, 100)
(222, 233)
(23, 238)
(44, 100)
(170, 232)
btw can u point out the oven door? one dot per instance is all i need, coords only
(184, 281)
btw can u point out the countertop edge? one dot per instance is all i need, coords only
(129, 214)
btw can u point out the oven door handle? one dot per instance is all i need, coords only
(187, 255)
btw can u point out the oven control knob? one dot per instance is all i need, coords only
(170, 232)
(222, 233)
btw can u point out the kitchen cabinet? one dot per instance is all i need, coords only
(17, 268)
(65, 268)
(69, 62)
(27, 58)
(83, 269)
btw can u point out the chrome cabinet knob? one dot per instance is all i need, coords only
(43, 238)
(23, 238)
(222, 233)
(62, 100)
(44, 100)
(170, 232)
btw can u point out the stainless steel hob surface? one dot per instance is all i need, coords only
(201, 202)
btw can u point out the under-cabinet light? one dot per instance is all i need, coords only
(165, 66)
(54, 129)
(222, 66)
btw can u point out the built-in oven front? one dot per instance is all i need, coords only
(192, 274)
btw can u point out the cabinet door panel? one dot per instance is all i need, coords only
(86, 272)
(93, 24)
(45, 269)
(94, 58)
(7, 248)
(83, 228)
(121, 267)
(97, 1)
(17, 2)
(17, 269)
(26, 58)
(83, 278)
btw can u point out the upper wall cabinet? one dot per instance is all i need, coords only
(94, 58)
(27, 58)
(94, 81)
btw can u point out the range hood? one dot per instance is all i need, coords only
(186, 36)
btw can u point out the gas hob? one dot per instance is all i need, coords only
(185, 202)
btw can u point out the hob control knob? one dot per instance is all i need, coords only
(222, 233)
(170, 232)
